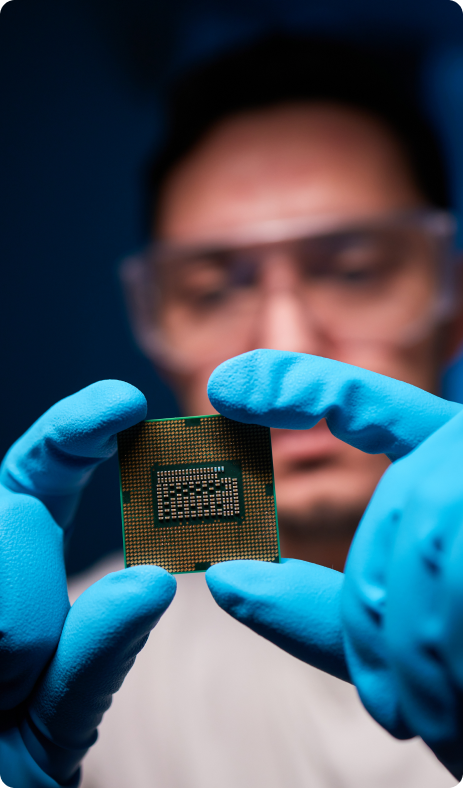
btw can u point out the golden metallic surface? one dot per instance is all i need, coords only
(192, 545)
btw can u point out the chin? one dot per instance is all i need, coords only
(332, 490)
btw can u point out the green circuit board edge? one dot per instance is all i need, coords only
(197, 491)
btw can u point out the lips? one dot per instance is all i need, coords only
(298, 446)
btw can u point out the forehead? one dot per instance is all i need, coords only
(322, 161)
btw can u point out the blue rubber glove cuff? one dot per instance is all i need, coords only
(19, 769)
(60, 763)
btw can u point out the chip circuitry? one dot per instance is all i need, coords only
(197, 491)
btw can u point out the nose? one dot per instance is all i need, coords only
(285, 321)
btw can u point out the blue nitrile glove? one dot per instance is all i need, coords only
(58, 666)
(393, 623)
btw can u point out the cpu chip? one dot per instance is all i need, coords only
(197, 491)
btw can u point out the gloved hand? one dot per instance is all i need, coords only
(58, 666)
(393, 623)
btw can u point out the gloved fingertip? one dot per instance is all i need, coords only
(149, 583)
(44, 461)
(237, 586)
(225, 389)
(234, 387)
(113, 400)
(228, 580)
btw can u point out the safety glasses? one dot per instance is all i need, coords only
(386, 281)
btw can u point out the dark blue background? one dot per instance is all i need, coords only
(79, 115)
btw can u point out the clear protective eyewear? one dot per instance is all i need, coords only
(388, 281)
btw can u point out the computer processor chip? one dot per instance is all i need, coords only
(197, 491)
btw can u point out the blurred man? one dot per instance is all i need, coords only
(299, 204)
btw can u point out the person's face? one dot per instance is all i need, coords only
(329, 165)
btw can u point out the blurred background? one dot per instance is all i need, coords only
(81, 105)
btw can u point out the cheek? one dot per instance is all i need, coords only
(418, 365)
(344, 480)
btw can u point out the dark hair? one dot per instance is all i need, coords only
(284, 68)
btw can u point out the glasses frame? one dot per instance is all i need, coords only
(140, 282)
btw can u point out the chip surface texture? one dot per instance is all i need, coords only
(197, 491)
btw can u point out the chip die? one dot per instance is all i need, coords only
(197, 491)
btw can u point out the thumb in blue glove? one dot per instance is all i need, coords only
(359, 626)
(60, 666)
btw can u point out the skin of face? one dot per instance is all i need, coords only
(328, 164)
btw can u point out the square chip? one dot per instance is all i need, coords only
(197, 491)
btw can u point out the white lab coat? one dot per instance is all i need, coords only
(209, 704)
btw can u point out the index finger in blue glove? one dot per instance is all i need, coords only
(372, 412)
(40, 483)
(55, 458)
